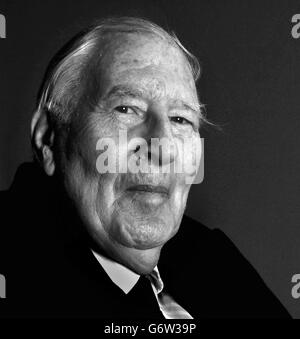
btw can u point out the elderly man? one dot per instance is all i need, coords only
(82, 239)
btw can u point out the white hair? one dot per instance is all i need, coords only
(64, 84)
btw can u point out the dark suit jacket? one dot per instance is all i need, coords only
(50, 271)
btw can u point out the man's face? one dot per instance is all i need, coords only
(147, 90)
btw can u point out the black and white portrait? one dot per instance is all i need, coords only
(149, 160)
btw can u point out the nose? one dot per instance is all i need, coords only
(157, 131)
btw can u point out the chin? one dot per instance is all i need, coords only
(140, 261)
(142, 233)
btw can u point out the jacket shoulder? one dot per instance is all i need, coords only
(225, 278)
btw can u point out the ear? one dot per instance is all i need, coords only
(42, 139)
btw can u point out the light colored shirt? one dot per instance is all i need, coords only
(126, 279)
(120, 275)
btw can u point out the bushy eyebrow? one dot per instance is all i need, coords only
(194, 107)
(124, 91)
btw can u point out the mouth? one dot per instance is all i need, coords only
(149, 189)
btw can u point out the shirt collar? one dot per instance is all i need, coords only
(122, 276)
(125, 278)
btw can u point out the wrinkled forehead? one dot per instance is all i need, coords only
(147, 58)
(141, 49)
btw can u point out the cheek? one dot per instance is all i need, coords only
(94, 197)
(90, 157)
(105, 195)
(91, 191)
(85, 136)
(187, 164)
(180, 194)
(188, 157)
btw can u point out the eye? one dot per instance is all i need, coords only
(180, 120)
(124, 109)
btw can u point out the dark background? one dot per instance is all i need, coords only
(250, 83)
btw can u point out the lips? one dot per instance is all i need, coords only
(149, 188)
